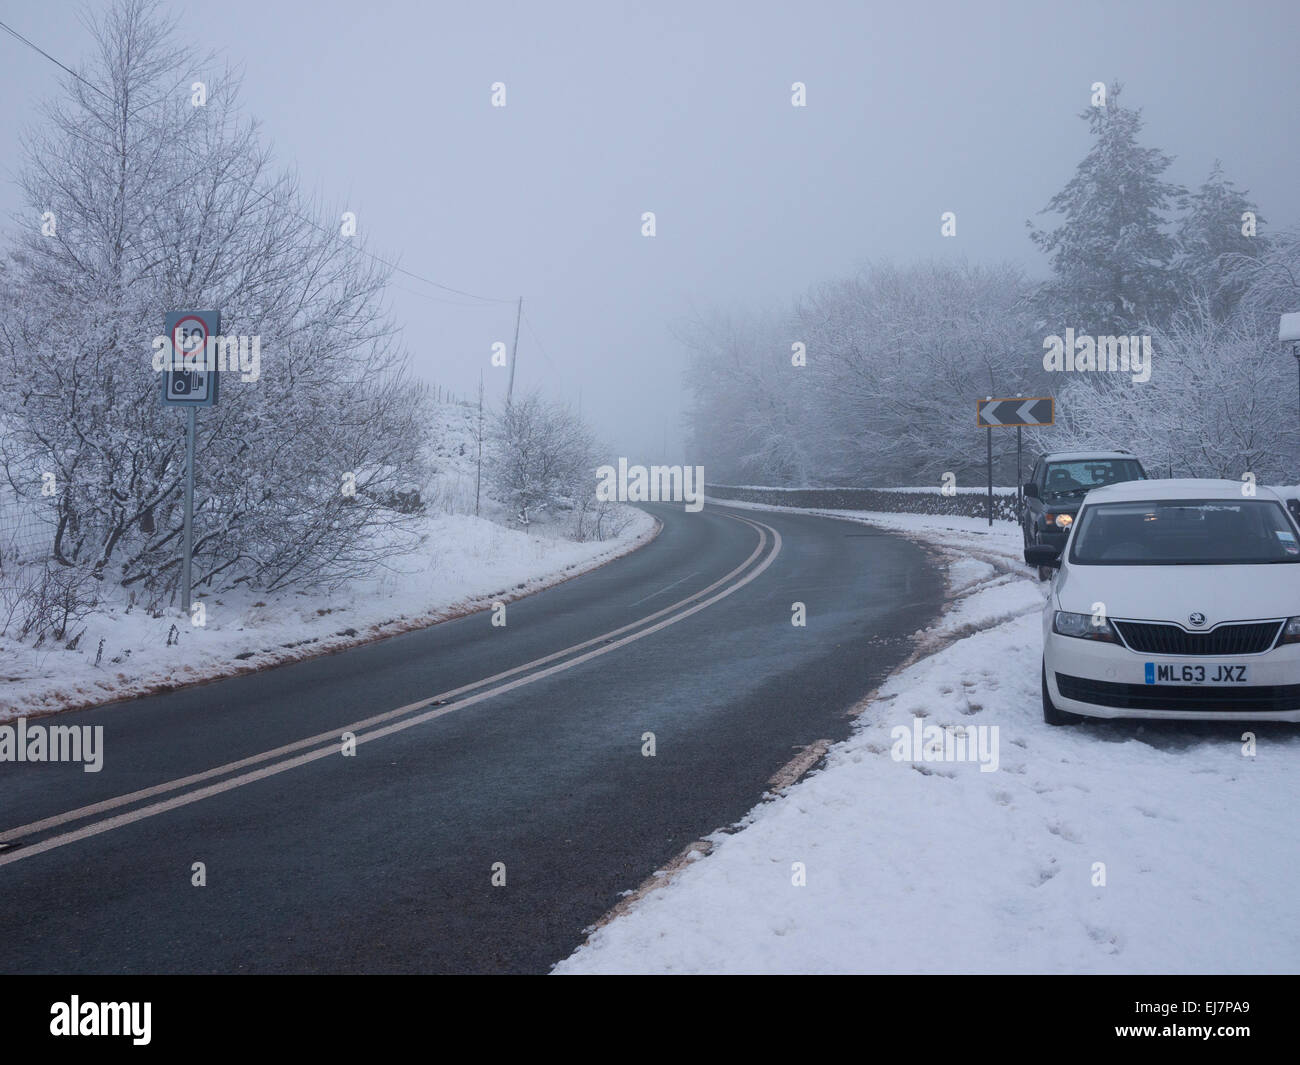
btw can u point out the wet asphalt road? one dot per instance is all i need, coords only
(383, 862)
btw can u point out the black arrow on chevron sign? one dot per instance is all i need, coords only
(1036, 410)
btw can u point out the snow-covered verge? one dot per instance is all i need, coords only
(915, 489)
(930, 501)
(1102, 848)
(465, 564)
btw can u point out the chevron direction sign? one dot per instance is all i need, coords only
(1039, 410)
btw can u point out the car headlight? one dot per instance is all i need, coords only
(1083, 627)
(1064, 521)
(1291, 631)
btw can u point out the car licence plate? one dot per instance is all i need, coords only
(1165, 673)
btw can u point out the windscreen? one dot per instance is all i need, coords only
(1187, 532)
(1079, 478)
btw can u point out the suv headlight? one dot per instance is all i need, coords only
(1061, 521)
(1291, 631)
(1083, 627)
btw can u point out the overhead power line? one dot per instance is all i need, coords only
(440, 299)
(532, 330)
(36, 48)
(538, 340)
(264, 195)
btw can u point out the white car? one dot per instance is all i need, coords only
(1174, 599)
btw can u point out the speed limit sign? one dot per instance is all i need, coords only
(189, 380)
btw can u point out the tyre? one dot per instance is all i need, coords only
(1052, 715)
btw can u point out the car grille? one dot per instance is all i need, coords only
(1252, 638)
(1245, 699)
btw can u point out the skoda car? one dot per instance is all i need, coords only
(1174, 599)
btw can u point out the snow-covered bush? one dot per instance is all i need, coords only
(46, 600)
(538, 455)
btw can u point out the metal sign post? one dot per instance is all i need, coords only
(190, 419)
(1019, 475)
(1020, 412)
(989, 435)
(190, 380)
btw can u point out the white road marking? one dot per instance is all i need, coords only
(332, 749)
(661, 591)
(311, 741)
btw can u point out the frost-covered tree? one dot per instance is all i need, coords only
(1220, 403)
(1111, 255)
(895, 361)
(539, 454)
(903, 355)
(158, 205)
(751, 417)
(1218, 223)
(1268, 276)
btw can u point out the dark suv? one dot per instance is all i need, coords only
(1057, 487)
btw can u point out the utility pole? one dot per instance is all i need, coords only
(478, 475)
(514, 352)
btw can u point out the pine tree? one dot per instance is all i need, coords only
(1112, 257)
(1218, 221)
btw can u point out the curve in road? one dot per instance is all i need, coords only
(484, 754)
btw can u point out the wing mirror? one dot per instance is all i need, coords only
(1043, 555)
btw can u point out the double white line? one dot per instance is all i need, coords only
(326, 744)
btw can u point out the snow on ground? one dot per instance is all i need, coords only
(940, 866)
(917, 489)
(466, 564)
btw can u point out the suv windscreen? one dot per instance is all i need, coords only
(1188, 532)
(1081, 477)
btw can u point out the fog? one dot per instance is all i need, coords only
(684, 109)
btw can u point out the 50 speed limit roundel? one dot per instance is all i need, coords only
(190, 379)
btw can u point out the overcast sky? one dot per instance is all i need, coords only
(684, 109)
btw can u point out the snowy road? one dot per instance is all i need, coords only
(537, 773)
(1109, 847)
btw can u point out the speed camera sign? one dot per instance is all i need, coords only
(190, 376)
